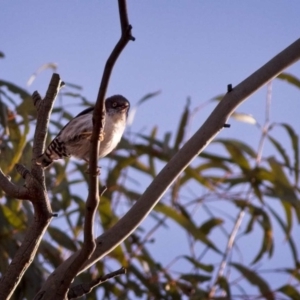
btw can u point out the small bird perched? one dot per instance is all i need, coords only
(74, 138)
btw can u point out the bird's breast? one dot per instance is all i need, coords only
(113, 131)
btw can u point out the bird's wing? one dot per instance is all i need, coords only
(82, 124)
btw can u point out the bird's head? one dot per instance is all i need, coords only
(117, 104)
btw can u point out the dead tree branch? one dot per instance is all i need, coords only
(33, 191)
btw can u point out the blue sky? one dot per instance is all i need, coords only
(183, 48)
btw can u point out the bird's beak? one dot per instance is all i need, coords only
(125, 106)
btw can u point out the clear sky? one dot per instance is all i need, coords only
(192, 48)
(183, 48)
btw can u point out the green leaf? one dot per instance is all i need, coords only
(18, 139)
(207, 226)
(282, 188)
(295, 145)
(290, 79)
(26, 108)
(237, 151)
(150, 157)
(267, 241)
(195, 278)
(4, 117)
(12, 217)
(148, 96)
(223, 283)
(237, 144)
(293, 272)
(255, 280)
(281, 150)
(288, 236)
(289, 291)
(215, 157)
(15, 89)
(261, 217)
(107, 215)
(199, 265)
(182, 126)
(191, 173)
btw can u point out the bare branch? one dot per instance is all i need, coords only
(35, 191)
(215, 122)
(93, 199)
(85, 288)
(119, 232)
(44, 111)
(11, 189)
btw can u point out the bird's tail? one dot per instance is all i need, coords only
(44, 160)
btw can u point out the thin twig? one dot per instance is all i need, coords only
(85, 288)
(266, 126)
(242, 213)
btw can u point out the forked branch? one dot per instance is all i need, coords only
(64, 278)
(33, 191)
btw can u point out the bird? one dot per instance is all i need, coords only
(74, 138)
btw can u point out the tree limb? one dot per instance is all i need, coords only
(215, 122)
(44, 109)
(197, 143)
(14, 191)
(89, 245)
(35, 192)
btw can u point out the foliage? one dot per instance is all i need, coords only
(195, 220)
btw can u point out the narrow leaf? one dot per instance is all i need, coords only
(295, 145)
(148, 96)
(255, 280)
(290, 79)
(182, 125)
(199, 265)
(281, 150)
(195, 278)
(290, 291)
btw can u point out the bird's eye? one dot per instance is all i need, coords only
(114, 104)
